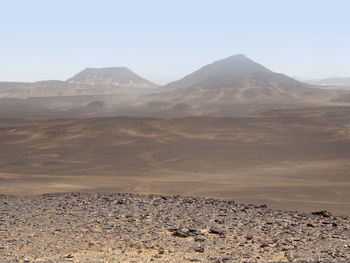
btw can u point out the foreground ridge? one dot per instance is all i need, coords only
(96, 227)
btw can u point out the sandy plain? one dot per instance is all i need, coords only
(290, 159)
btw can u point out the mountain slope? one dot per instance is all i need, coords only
(238, 86)
(237, 79)
(235, 72)
(230, 67)
(116, 76)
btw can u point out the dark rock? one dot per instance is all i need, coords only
(199, 238)
(323, 213)
(216, 231)
(173, 229)
(179, 233)
(199, 249)
(193, 231)
(263, 245)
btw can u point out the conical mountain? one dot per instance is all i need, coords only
(230, 67)
(114, 76)
(235, 79)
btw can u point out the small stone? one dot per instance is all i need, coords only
(249, 237)
(199, 249)
(179, 233)
(348, 243)
(172, 229)
(216, 231)
(263, 245)
(193, 259)
(322, 213)
(199, 238)
(193, 231)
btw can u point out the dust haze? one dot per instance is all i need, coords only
(233, 130)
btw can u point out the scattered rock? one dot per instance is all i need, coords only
(322, 213)
(216, 231)
(199, 249)
(199, 238)
(179, 233)
(97, 227)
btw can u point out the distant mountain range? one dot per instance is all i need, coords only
(229, 87)
(90, 81)
(341, 82)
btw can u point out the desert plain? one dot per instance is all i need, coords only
(292, 159)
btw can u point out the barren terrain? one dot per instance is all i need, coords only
(77, 227)
(291, 159)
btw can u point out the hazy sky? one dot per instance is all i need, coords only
(164, 40)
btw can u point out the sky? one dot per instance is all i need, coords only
(164, 40)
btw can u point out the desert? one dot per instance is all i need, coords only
(175, 131)
(182, 173)
(87, 227)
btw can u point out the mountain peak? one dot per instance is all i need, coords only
(108, 69)
(238, 56)
(111, 76)
(233, 66)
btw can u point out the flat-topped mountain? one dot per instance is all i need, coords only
(115, 76)
(90, 81)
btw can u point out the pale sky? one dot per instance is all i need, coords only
(164, 40)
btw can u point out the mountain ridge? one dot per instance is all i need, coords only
(233, 86)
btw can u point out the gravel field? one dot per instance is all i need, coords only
(94, 227)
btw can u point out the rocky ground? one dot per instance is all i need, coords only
(92, 227)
